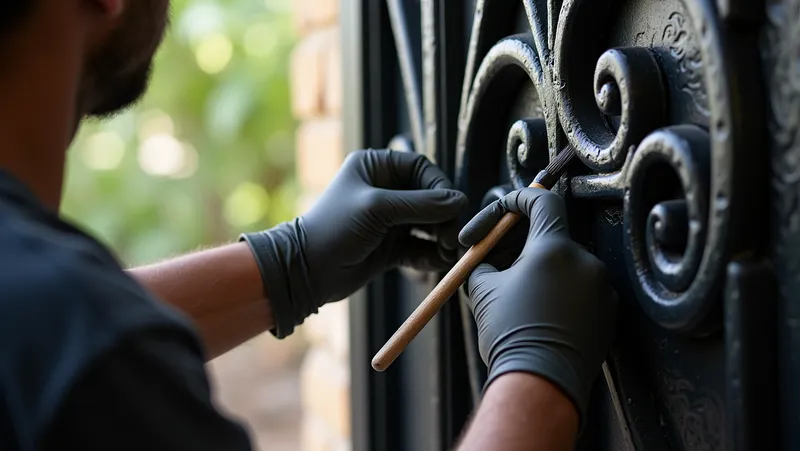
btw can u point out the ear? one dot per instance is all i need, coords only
(112, 8)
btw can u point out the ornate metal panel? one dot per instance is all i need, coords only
(684, 115)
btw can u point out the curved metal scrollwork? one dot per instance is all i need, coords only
(620, 100)
(507, 65)
(666, 225)
(628, 88)
(526, 140)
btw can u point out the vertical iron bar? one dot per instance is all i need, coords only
(408, 71)
(430, 67)
(443, 59)
(780, 47)
(370, 106)
(751, 357)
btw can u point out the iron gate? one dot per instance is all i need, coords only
(685, 115)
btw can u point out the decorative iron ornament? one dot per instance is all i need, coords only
(656, 102)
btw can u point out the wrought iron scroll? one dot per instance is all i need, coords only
(676, 236)
(525, 138)
(506, 65)
(666, 226)
(627, 84)
(617, 115)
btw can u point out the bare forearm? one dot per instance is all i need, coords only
(521, 411)
(220, 289)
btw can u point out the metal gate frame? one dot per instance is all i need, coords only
(382, 417)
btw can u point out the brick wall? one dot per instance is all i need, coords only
(317, 103)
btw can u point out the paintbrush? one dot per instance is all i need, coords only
(459, 273)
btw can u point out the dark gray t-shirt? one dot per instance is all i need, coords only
(89, 360)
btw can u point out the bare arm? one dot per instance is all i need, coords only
(521, 411)
(220, 289)
(359, 227)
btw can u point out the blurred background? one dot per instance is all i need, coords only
(211, 152)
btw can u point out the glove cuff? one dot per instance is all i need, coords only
(552, 365)
(279, 255)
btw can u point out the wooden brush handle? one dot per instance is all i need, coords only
(445, 289)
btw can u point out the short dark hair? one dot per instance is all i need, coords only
(12, 12)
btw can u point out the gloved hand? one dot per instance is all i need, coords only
(551, 313)
(360, 227)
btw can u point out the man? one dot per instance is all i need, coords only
(95, 357)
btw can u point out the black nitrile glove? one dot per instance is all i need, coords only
(551, 313)
(360, 227)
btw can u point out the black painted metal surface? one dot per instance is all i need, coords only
(686, 117)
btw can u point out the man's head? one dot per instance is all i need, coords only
(64, 60)
(118, 69)
(121, 38)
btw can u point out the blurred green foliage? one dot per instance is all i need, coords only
(208, 152)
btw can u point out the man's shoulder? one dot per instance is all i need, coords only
(64, 303)
(39, 260)
(54, 275)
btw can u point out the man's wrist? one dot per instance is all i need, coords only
(561, 405)
(522, 411)
(553, 366)
(535, 389)
(280, 260)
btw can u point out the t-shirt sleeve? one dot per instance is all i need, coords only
(151, 392)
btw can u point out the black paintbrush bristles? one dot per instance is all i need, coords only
(550, 175)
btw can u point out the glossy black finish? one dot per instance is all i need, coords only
(667, 104)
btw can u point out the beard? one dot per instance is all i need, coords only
(117, 73)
